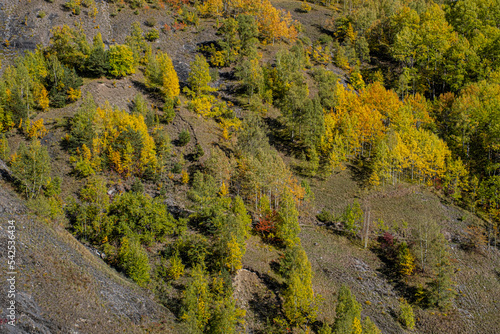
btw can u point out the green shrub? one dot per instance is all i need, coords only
(184, 138)
(177, 168)
(325, 216)
(137, 186)
(198, 152)
(133, 259)
(41, 14)
(151, 22)
(406, 316)
(168, 111)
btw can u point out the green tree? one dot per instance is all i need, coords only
(288, 229)
(140, 107)
(197, 300)
(369, 327)
(184, 138)
(352, 217)
(441, 288)
(4, 148)
(346, 311)
(82, 127)
(32, 167)
(406, 316)
(133, 259)
(199, 76)
(138, 44)
(60, 81)
(225, 315)
(248, 32)
(299, 301)
(97, 60)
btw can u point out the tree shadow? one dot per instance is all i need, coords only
(264, 307)
(360, 171)
(391, 275)
(322, 29)
(279, 136)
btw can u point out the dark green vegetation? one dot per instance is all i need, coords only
(267, 170)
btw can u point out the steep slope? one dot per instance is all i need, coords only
(63, 287)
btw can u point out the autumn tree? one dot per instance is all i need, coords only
(160, 74)
(121, 61)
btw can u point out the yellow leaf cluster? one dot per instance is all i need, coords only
(74, 94)
(184, 177)
(36, 129)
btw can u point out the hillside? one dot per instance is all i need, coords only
(250, 166)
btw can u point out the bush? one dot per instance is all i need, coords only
(184, 138)
(152, 35)
(406, 316)
(151, 22)
(198, 152)
(305, 7)
(325, 216)
(41, 14)
(137, 186)
(177, 168)
(176, 268)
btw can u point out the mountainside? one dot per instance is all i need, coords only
(65, 287)
(249, 166)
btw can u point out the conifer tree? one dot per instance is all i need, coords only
(199, 76)
(137, 43)
(369, 327)
(4, 148)
(97, 61)
(347, 310)
(197, 300)
(441, 288)
(133, 259)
